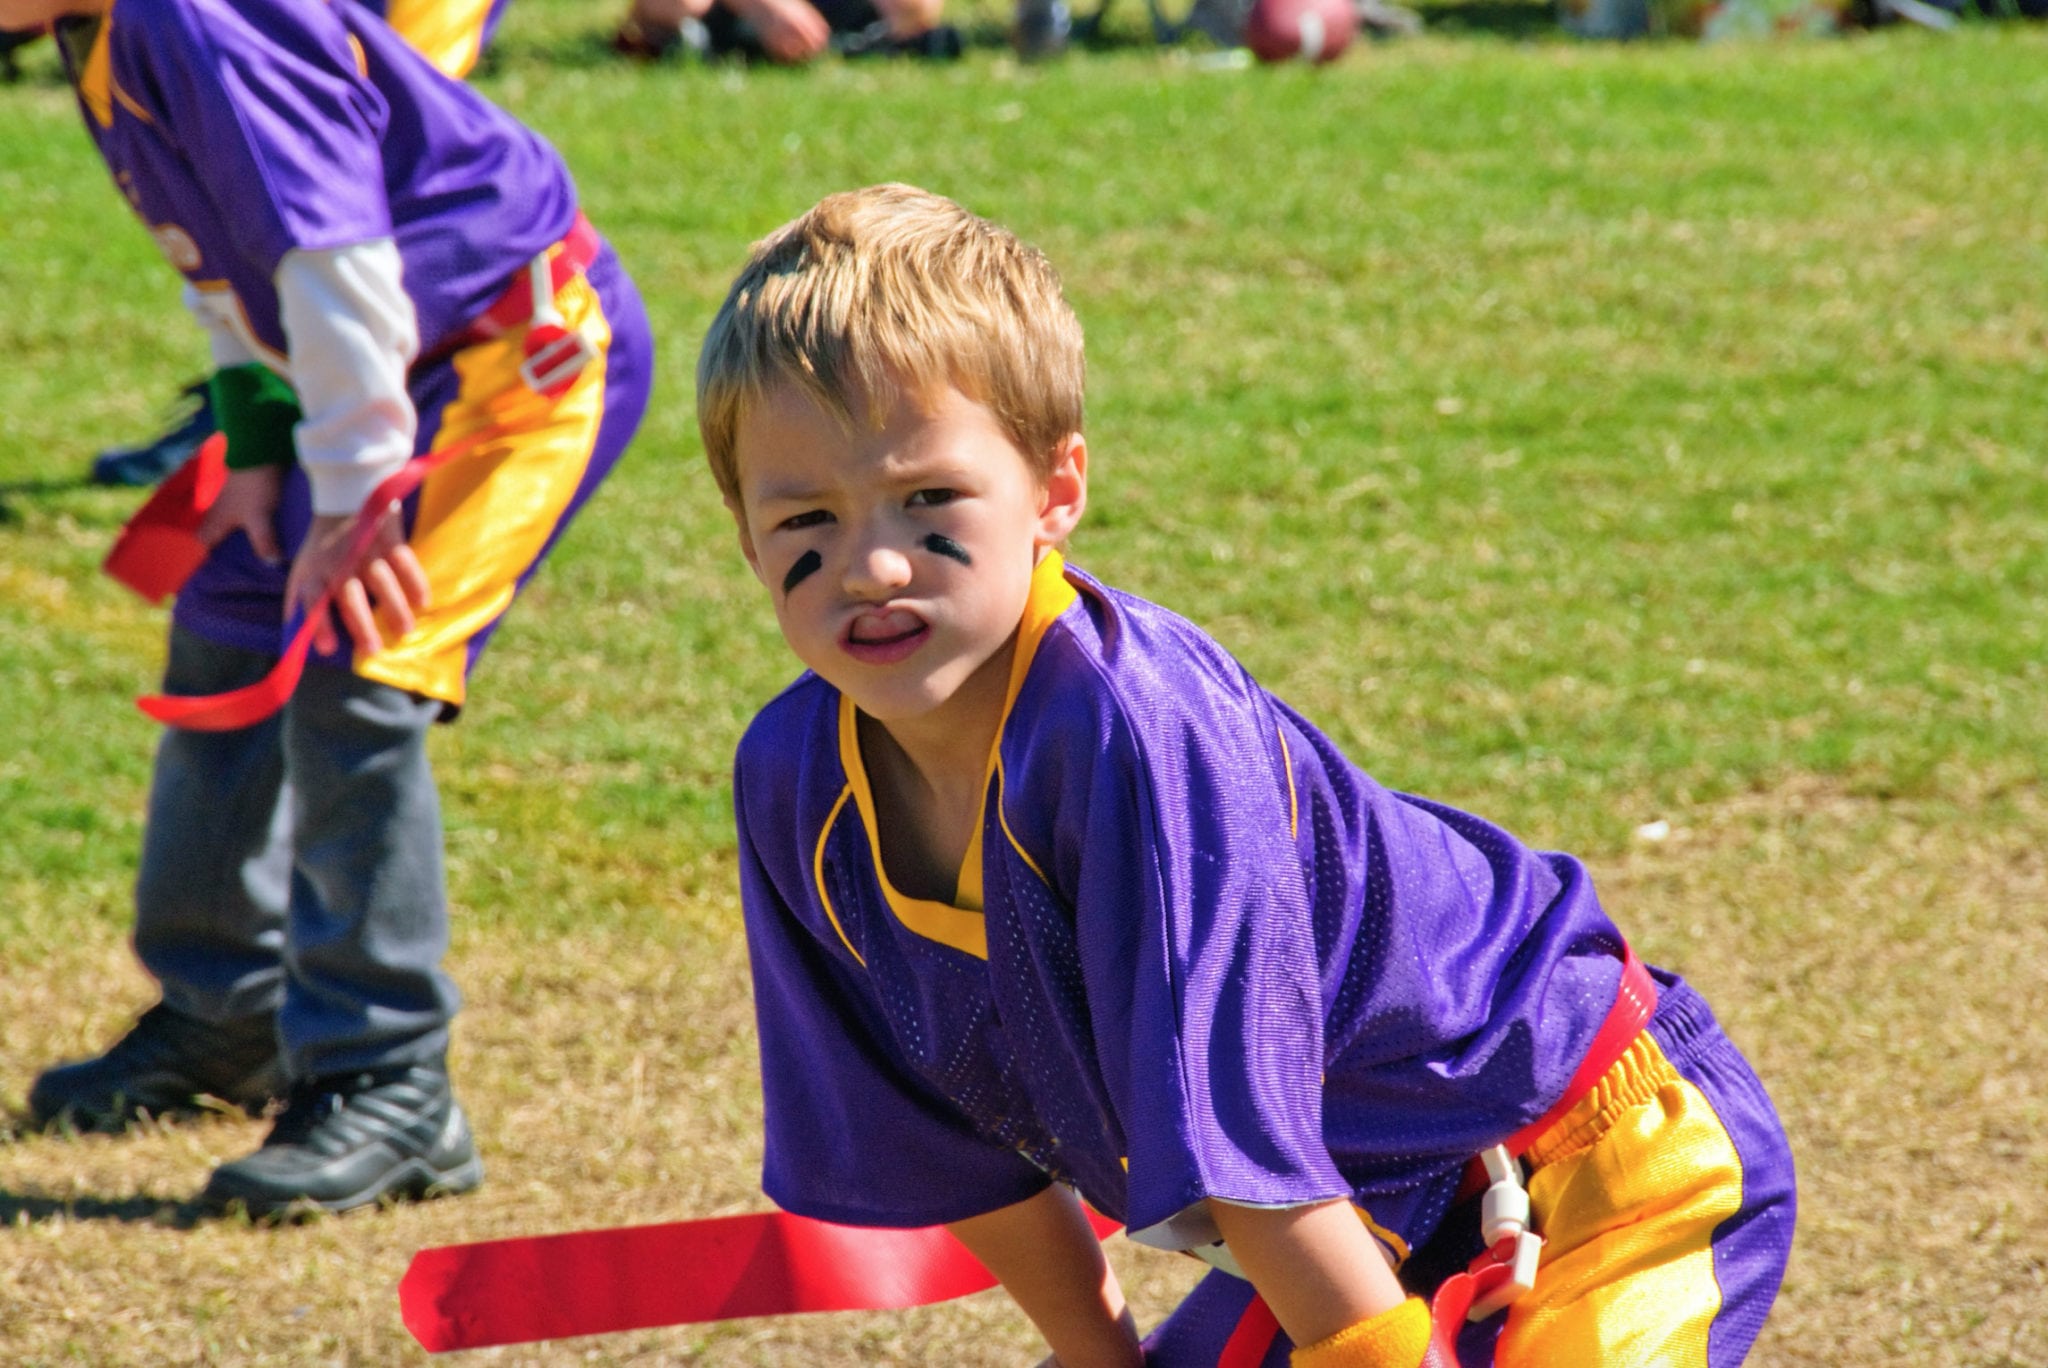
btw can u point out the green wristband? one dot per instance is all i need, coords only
(256, 410)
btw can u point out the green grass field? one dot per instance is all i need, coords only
(1585, 436)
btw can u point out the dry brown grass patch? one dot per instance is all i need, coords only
(1880, 962)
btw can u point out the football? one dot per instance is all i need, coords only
(1315, 31)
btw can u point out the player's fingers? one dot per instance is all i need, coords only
(298, 594)
(389, 596)
(352, 601)
(214, 525)
(419, 591)
(325, 640)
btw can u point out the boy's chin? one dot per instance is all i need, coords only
(892, 707)
(901, 703)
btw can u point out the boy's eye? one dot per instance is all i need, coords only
(933, 498)
(809, 518)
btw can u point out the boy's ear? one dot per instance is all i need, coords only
(739, 522)
(1065, 495)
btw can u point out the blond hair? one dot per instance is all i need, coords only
(886, 291)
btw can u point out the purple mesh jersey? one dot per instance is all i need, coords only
(242, 129)
(1208, 956)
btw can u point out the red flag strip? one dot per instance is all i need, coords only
(1253, 1339)
(160, 548)
(598, 1282)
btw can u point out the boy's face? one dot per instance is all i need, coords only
(900, 559)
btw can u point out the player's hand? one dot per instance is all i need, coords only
(789, 30)
(385, 581)
(247, 504)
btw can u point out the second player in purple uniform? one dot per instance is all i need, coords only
(378, 254)
(451, 34)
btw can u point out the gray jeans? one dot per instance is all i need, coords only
(295, 867)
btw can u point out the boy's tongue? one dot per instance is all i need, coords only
(871, 628)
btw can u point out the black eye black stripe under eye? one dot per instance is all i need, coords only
(806, 565)
(946, 546)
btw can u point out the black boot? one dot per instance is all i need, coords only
(164, 1066)
(355, 1139)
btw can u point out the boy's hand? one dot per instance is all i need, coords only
(247, 504)
(385, 579)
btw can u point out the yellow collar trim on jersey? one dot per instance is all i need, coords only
(959, 923)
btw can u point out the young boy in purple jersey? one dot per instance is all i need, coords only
(1048, 900)
(386, 264)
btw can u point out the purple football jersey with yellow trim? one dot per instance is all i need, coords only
(1209, 956)
(240, 130)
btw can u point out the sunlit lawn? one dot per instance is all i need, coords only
(1586, 436)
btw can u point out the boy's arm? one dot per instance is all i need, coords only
(351, 330)
(1326, 1279)
(1046, 1256)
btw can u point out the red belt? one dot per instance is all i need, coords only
(1634, 1000)
(566, 260)
(159, 550)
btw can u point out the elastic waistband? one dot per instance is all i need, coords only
(1632, 1080)
(1682, 1027)
(1635, 1003)
(1683, 1022)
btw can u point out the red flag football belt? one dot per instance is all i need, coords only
(159, 549)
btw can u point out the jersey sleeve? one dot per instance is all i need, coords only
(852, 1136)
(268, 105)
(1176, 847)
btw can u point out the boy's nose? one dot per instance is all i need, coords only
(877, 567)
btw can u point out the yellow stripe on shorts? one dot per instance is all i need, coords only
(483, 519)
(1626, 1191)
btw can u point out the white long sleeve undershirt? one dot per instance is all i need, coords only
(351, 336)
(350, 329)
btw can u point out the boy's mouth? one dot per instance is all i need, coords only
(884, 636)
